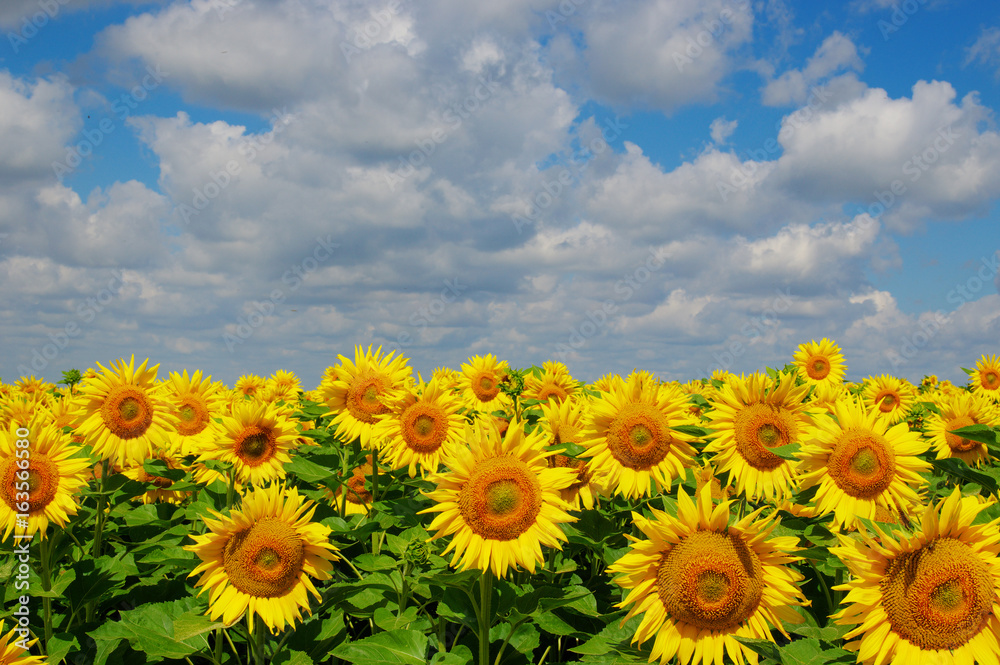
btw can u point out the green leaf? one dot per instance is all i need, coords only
(786, 452)
(161, 630)
(959, 469)
(309, 471)
(60, 645)
(460, 655)
(158, 467)
(809, 651)
(765, 648)
(394, 647)
(375, 562)
(981, 433)
(693, 430)
(292, 658)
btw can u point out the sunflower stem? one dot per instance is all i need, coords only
(258, 640)
(823, 585)
(95, 551)
(485, 598)
(45, 547)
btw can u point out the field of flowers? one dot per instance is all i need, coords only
(496, 516)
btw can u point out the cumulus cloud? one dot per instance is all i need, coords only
(722, 129)
(837, 53)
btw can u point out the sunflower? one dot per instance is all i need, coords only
(11, 650)
(284, 385)
(820, 362)
(358, 395)
(554, 383)
(420, 428)
(701, 582)
(860, 461)
(119, 414)
(607, 383)
(752, 415)
(480, 383)
(250, 385)
(986, 378)
(161, 492)
(890, 395)
(563, 422)
(926, 597)
(255, 438)
(630, 439)
(194, 401)
(261, 558)
(46, 490)
(961, 410)
(500, 500)
(19, 409)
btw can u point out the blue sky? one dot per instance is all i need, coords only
(240, 186)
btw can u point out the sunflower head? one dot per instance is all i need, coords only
(421, 426)
(961, 409)
(820, 362)
(554, 383)
(46, 491)
(631, 437)
(860, 461)
(700, 581)
(256, 438)
(986, 377)
(359, 397)
(499, 500)
(263, 557)
(120, 414)
(892, 396)
(927, 596)
(481, 382)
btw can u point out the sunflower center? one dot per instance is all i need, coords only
(501, 499)
(551, 390)
(192, 416)
(485, 387)
(757, 427)
(862, 464)
(939, 596)
(43, 483)
(356, 490)
(818, 368)
(954, 441)
(424, 427)
(127, 412)
(364, 396)
(887, 402)
(255, 445)
(710, 580)
(639, 436)
(266, 559)
(991, 380)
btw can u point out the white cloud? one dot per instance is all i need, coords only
(722, 129)
(986, 49)
(36, 120)
(837, 53)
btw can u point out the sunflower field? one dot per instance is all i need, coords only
(500, 516)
